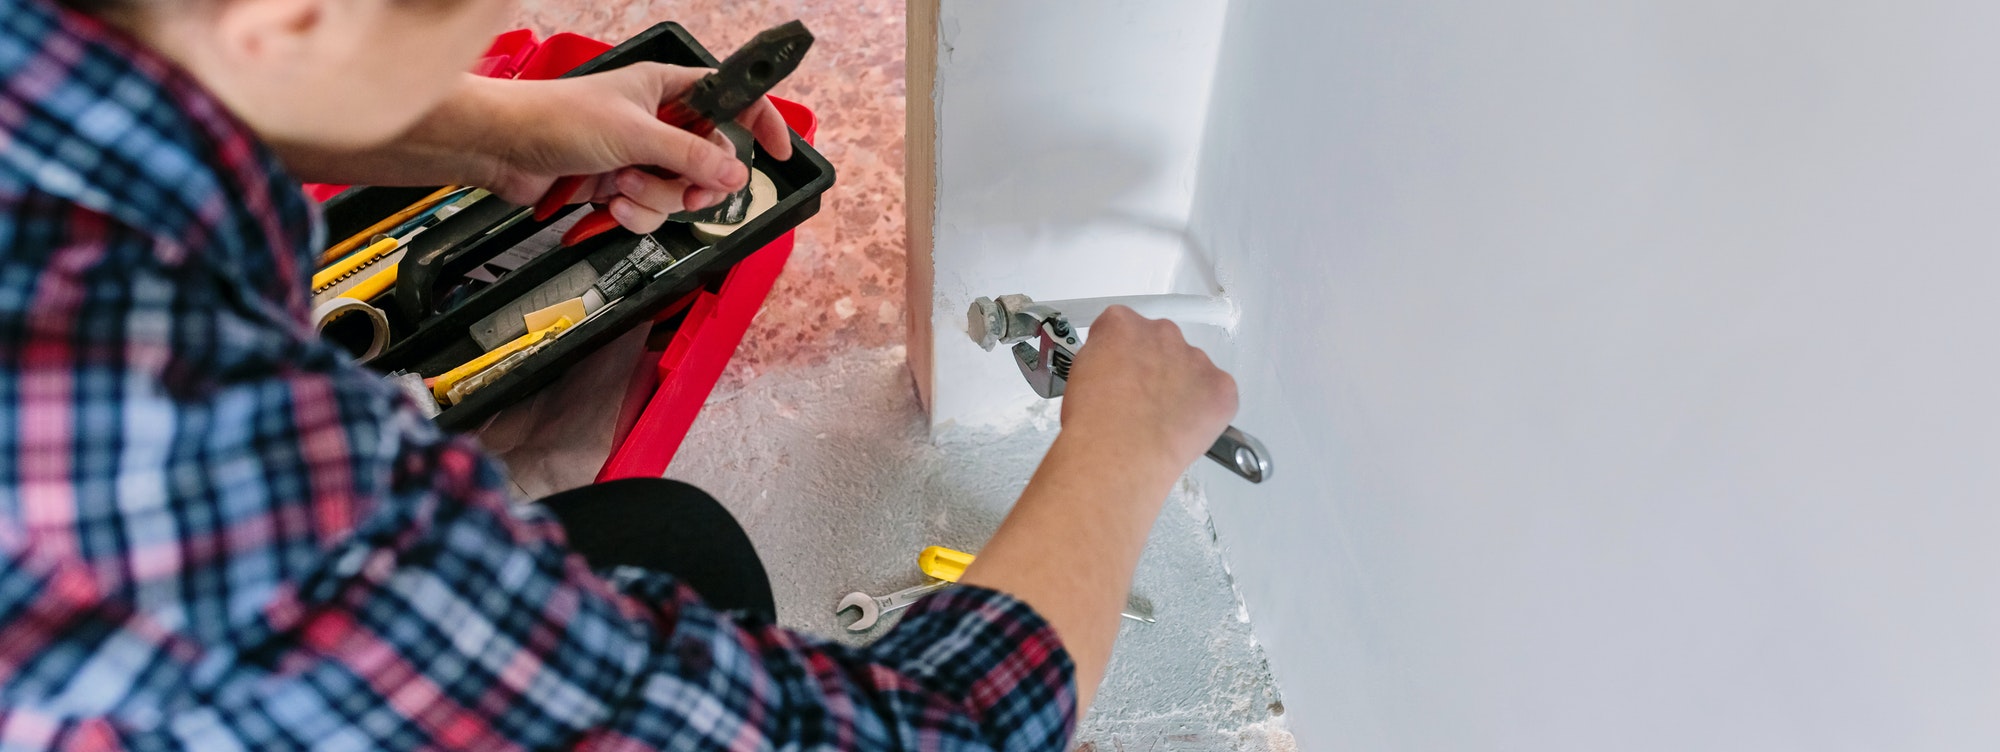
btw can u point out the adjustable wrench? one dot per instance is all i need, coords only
(1016, 319)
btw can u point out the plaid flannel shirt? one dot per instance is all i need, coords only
(217, 533)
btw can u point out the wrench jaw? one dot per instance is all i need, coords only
(870, 613)
(1047, 367)
(1036, 365)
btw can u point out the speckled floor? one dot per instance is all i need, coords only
(815, 439)
(844, 286)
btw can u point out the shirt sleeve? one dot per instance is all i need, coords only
(218, 537)
(518, 639)
(469, 626)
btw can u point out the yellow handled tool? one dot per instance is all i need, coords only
(451, 378)
(374, 286)
(353, 264)
(945, 564)
(361, 238)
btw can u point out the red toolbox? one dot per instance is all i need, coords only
(665, 399)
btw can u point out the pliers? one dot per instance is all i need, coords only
(739, 82)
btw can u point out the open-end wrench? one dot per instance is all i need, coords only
(873, 608)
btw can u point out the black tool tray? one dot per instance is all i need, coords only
(431, 343)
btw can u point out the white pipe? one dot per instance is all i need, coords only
(1181, 309)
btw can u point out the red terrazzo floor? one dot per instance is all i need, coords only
(844, 286)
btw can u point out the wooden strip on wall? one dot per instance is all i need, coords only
(920, 185)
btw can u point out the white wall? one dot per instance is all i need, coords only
(1630, 367)
(1067, 139)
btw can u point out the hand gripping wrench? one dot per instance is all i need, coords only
(1017, 319)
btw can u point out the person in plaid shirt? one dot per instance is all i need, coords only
(219, 533)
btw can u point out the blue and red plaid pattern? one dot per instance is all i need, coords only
(217, 533)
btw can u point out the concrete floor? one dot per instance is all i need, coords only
(830, 469)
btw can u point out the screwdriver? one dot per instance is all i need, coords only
(946, 564)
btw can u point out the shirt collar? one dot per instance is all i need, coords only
(93, 117)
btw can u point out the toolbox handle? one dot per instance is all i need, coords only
(443, 252)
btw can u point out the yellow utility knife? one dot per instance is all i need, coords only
(444, 383)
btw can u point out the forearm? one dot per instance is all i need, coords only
(1072, 542)
(459, 143)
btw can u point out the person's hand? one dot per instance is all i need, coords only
(604, 126)
(1137, 379)
(1140, 406)
(515, 138)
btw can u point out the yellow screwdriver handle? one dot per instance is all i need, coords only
(352, 264)
(943, 563)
